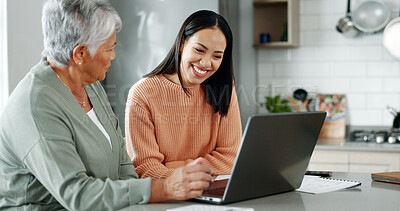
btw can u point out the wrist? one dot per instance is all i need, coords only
(159, 191)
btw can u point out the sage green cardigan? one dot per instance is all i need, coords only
(53, 156)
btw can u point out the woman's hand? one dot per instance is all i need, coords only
(186, 182)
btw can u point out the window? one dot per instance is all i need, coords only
(3, 54)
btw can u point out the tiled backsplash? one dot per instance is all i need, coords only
(328, 62)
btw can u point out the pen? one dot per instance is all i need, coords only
(319, 173)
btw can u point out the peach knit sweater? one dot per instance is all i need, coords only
(166, 129)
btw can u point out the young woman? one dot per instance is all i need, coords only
(187, 106)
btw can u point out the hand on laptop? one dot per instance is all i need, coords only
(185, 183)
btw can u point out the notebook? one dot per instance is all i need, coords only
(392, 177)
(317, 184)
(272, 158)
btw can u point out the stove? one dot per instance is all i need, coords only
(375, 136)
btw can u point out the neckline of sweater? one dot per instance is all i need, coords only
(177, 86)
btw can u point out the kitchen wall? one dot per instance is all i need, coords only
(245, 78)
(3, 54)
(25, 39)
(328, 62)
(325, 62)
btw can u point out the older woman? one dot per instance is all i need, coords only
(60, 143)
(187, 107)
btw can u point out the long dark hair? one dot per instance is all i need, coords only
(218, 87)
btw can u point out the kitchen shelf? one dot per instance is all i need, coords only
(270, 16)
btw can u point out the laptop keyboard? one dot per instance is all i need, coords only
(216, 189)
(219, 192)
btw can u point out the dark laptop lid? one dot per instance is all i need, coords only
(274, 154)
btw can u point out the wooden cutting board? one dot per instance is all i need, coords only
(392, 177)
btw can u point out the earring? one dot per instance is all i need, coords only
(80, 63)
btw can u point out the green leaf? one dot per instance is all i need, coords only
(276, 104)
(277, 98)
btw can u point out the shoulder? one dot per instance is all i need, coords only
(33, 104)
(147, 87)
(147, 83)
(41, 85)
(234, 98)
(37, 88)
(48, 97)
(234, 93)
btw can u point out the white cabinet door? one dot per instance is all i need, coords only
(354, 161)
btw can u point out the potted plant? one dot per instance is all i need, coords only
(276, 104)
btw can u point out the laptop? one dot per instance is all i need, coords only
(273, 157)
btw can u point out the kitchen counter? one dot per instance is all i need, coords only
(371, 195)
(345, 145)
(342, 144)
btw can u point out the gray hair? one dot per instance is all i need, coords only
(67, 23)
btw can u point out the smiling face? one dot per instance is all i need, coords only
(97, 66)
(202, 55)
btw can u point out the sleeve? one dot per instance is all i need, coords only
(55, 163)
(127, 170)
(141, 141)
(223, 157)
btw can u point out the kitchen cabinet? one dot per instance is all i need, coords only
(354, 161)
(277, 19)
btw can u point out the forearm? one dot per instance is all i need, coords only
(186, 182)
(73, 188)
(155, 170)
(177, 164)
(158, 193)
(221, 163)
(220, 160)
(96, 194)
